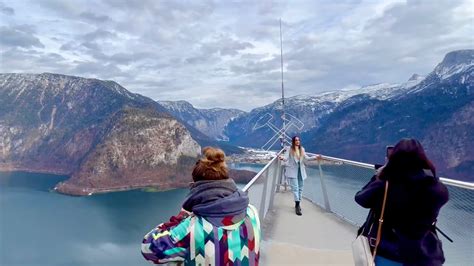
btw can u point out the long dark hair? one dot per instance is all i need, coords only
(293, 146)
(408, 157)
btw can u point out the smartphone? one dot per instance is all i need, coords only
(389, 150)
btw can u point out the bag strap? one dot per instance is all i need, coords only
(367, 221)
(443, 234)
(379, 230)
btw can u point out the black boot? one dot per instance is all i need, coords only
(298, 208)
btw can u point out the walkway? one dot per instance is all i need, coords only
(315, 238)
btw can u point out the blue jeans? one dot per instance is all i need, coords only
(296, 185)
(381, 261)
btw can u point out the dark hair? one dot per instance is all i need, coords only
(408, 157)
(211, 166)
(389, 150)
(293, 146)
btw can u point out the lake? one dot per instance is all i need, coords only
(41, 227)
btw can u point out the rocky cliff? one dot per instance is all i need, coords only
(139, 149)
(96, 131)
(210, 122)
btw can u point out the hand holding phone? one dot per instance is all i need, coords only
(389, 150)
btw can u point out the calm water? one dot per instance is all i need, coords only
(39, 227)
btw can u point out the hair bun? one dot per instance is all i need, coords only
(214, 155)
(211, 166)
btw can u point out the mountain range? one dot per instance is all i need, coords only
(357, 124)
(210, 122)
(107, 138)
(97, 132)
(439, 111)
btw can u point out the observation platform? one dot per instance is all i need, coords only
(324, 233)
(315, 238)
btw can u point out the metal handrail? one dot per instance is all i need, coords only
(355, 163)
(458, 215)
(262, 196)
(447, 181)
(457, 183)
(259, 174)
(455, 218)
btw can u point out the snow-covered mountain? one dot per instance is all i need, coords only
(439, 111)
(210, 122)
(309, 109)
(356, 124)
(454, 63)
(456, 68)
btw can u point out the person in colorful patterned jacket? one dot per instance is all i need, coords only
(216, 225)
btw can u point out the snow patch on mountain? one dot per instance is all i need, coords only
(454, 63)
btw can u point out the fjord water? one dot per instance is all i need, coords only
(41, 227)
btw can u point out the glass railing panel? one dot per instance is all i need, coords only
(312, 186)
(342, 181)
(261, 189)
(255, 192)
(456, 219)
(344, 178)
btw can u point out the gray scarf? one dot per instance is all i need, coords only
(216, 198)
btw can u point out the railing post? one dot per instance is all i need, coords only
(323, 188)
(454, 221)
(278, 182)
(264, 196)
(281, 178)
(276, 173)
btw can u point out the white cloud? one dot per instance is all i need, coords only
(201, 51)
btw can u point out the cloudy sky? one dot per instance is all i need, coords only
(227, 53)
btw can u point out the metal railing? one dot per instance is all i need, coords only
(333, 182)
(261, 189)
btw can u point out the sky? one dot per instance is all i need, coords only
(227, 53)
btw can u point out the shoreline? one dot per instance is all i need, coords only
(34, 171)
(73, 190)
(70, 189)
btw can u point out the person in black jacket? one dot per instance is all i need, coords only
(414, 200)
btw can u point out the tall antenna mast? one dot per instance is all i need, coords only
(282, 137)
(266, 119)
